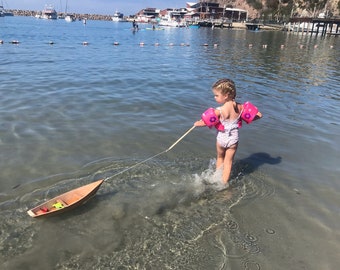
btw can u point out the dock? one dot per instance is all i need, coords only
(216, 23)
(322, 26)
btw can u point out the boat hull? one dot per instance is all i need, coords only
(70, 18)
(66, 201)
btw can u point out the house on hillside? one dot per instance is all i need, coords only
(213, 11)
(206, 10)
(201, 11)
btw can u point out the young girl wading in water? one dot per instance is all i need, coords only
(227, 119)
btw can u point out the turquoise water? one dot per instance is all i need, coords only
(71, 114)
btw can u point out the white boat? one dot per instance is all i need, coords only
(171, 19)
(49, 13)
(70, 18)
(168, 22)
(118, 17)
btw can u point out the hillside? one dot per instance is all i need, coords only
(283, 9)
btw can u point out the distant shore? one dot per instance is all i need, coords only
(32, 13)
(98, 17)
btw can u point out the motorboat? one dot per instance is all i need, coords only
(118, 17)
(49, 13)
(171, 23)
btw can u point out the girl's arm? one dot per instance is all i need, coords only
(258, 116)
(216, 115)
(199, 123)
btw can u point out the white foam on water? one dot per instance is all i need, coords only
(210, 178)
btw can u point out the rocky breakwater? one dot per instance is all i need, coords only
(95, 17)
(32, 13)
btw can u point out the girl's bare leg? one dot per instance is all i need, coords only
(220, 156)
(228, 162)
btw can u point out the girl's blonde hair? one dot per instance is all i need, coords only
(226, 86)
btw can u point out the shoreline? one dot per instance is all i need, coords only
(98, 17)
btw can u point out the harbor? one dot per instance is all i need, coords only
(318, 26)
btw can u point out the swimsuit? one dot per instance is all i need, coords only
(229, 136)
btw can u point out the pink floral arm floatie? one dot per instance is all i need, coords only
(210, 118)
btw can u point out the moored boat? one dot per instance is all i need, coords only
(70, 18)
(118, 17)
(194, 25)
(49, 13)
(66, 201)
(168, 22)
(4, 12)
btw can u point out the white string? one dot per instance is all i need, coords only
(176, 142)
(143, 161)
(135, 165)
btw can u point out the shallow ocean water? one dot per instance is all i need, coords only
(71, 114)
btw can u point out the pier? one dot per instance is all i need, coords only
(321, 26)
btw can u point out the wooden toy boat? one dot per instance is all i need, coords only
(66, 201)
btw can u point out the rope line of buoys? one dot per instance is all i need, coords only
(171, 44)
(11, 42)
